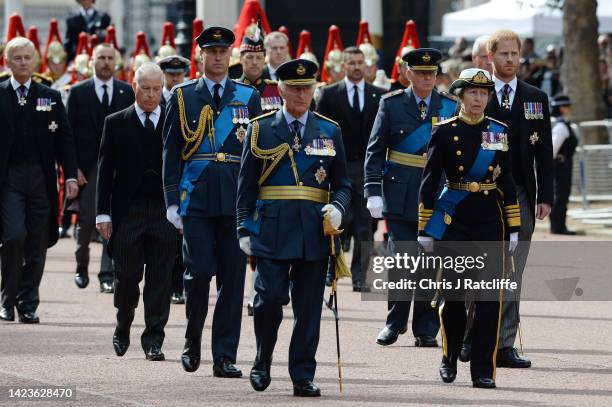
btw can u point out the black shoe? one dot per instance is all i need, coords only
(63, 233)
(250, 309)
(121, 343)
(360, 287)
(106, 287)
(425, 342)
(7, 313)
(306, 388)
(466, 353)
(177, 298)
(81, 277)
(509, 357)
(28, 317)
(260, 376)
(387, 336)
(225, 368)
(563, 232)
(448, 370)
(154, 353)
(191, 355)
(483, 383)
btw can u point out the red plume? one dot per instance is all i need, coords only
(93, 41)
(33, 36)
(304, 44)
(15, 27)
(168, 34)
(111, 36)
(250, 13)
(197, 27)
(364, 33)
(409, 39)
(333, 42)
(83, 44)
(54, 35)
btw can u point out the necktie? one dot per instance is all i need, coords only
(506, 96)
(356, 108)
(22, 94)
(148, 122)
(216, 95)
(297, 137)
(105, 102)
(423, 109)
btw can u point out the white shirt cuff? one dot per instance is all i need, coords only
(102, 219)
(70, 179)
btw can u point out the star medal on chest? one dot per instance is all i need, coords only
(320, 175)
(297, 145)
(241, 133)
(534, 138)
(506, 102)
(423, 110)
(22, 100)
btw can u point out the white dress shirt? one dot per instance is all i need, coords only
(499, 86)
(100, 91)
(350, 90)
(560, 133)
(290, 119)
(210, 85)
(16, 84)
(427, 100)
(272, 72)
(154, 117)
(167, 94)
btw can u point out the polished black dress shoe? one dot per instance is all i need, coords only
(121, 344)
(63, 233)
(466, 353)
(509, 357)
(260, 376)
(225, 368)
(81, 277)
(387, 336)
(306, 388)
(425, 342)
(154, 353)
(483, 383)
(106, 287)
(191, 355)
(564, 232)
(448, 370)
(7, 313)
(28, 317)
(250, 309)
(177, 298)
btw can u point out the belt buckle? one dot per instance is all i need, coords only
(474, 186)
(221, 157)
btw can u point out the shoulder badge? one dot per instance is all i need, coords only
(449, 96)
(391, 94)
(447, 121)
(326, 118)
(4, 76)
(263, 115)
(270, 82)
(42, 79)
(497, 121)
(187, 83)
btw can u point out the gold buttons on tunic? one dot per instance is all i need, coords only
(490, 168)
(456, 138)
(461, 168)
(487, 180)
(485, 192)
(301, 184)
(454, 124)
(458, 152)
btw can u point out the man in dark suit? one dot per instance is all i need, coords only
(131, 212)
(89, 103)
(36, 137)
(204, 131)
(353, 104)
(85, 19)
(524, 108)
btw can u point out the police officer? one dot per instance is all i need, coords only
(205, 127)
(472, 151)
(293, 172)
(564, 145)
(393, 165)
(175, 68)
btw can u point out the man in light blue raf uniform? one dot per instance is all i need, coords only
(293, 173)
(206, 123)
(394, 162)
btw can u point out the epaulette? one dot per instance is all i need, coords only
(237, 82)
(449, 96)
(447, 121)
(326, 118)
(497, 121)
(42, 79)
(4, 76)
(187, 83)
(270, 82)
(393, 93)
(261, 116)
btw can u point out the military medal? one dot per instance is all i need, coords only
(423, 112)
(534, 138)
(241, 133)
(321, 147)
(53, 126)
(296, 143)
(496, 172)
(494, 141)
(320, 175)
(22, 100)
(506, 102)
(234, 116)
(533, 110)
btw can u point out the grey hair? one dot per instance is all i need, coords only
(148, 68)
(275, 35)
(18, 42)
(480, 42)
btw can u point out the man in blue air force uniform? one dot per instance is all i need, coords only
(394, 162)
(293, 173)
(206, 123)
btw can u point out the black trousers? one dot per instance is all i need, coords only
(563, 187)
(144, 238)
(179, 267)
(210, 248)
(425, 321)
(24, 213)
(306, 280)
(86, 227)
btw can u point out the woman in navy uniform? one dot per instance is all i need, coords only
(472, 150)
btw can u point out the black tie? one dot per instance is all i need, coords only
(356, 108)
(423, 109)
(216, 95)
(105, 99)
(148, 122)
(297, 136)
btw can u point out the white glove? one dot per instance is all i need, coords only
(426, 242)
(335, 217)
(245, 245)
(375, 206)
(173, 216)
(513, 242)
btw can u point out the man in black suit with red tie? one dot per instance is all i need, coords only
(89, 103)
(353, 103)
(131, 212)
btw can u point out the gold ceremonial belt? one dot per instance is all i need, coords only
(411, 160)
(219, 157)
(472, 186)
(293, 192)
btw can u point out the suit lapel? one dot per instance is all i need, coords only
(94, 105)
(517, 104)
(343, 99)
(202, 90)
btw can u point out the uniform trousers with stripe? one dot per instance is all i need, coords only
(145, 243)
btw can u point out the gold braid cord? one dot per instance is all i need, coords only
(274, 155)
(195, 136)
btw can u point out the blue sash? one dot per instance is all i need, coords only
(417, 141)
(223, 126)
(449, 198)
